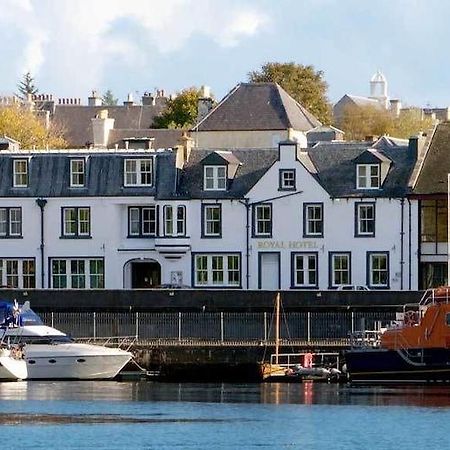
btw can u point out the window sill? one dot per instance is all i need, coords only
(11, 237)
(291, 189)
(214, 236)
(75, 237)
(142, 236)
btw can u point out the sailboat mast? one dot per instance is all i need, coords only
(277, 327)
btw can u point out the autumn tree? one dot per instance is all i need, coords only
(26, 86)
(358, 122)
(29, 129)
(305, 84)
(181, 111)
(108, 99)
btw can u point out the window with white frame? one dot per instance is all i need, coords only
(305, 270)
(18, 273)
(262, 223)
(313, 220)
(76, 222)
(340, 270)
(365, 219)
(77, 273)
(174, 220)
(10, 222)
(215, 178)
(212, 220)
(77, 173)
(378, 266)
(138, 172)
(142, 221)
(287, 179)
(20, 173)
(368, 176)
(217, 270)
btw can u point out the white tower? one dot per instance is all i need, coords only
(378, 89)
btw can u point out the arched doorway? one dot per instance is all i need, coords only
(142, 274)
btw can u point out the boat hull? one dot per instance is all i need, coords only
(71, 361)
(383, 365)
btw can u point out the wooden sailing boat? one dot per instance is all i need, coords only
(298, 366)
(272, 368)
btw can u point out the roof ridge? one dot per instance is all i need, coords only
(307, 114)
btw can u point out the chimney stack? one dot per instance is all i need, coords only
(101, 126)
(94, 99)
(129, 101)
(205, 103)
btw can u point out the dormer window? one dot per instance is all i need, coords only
(368, 176)
(20, 173)
(215, 178)
(77, 173)
(138, 172)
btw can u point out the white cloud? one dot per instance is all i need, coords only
(72, 40)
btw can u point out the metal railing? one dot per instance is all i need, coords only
(218, 328)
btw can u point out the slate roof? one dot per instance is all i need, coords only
(258, 106)
(337, 171)
(253, 165)
(75, 120)
(49, 175)
(432, 177)
(163, 138)
(331, 164)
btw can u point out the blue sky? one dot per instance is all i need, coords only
(74, 46)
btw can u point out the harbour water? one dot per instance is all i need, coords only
(151, 415)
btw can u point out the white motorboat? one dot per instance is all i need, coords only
(32, 350)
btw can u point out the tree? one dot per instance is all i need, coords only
(26, 127)
(181, 111)
(26, 86)
(108, 99)
(358, 122)
(306, 85)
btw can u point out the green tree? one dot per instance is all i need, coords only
(358, 122)
(26, 86)
(305, 84)
(181, 111)
(108, 99)
(26, 127)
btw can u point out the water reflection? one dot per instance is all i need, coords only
(306, 393)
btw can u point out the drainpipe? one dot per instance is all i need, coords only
(41, 202)
(402, 234)
(247, 243)
(409, 244)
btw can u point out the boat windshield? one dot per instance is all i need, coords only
(29, 317)
(13, 315)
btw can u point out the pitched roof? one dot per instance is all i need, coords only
(433, 175)
(336, 167)
(257, 106)
(332, 165)
(75, 120)
(253, 165)
(49, 175)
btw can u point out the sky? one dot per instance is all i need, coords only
(72, 47)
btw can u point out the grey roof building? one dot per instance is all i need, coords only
(254, 115)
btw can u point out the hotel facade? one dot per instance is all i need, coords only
(286, 218)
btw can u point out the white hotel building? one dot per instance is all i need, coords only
(286, 218)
